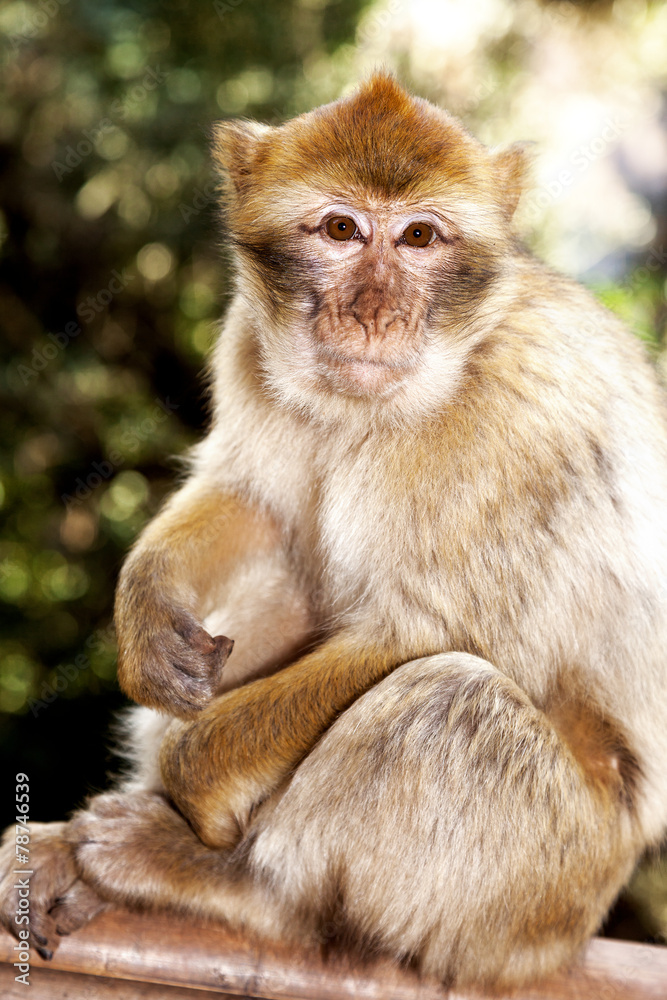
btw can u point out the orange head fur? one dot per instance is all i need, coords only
(369, 317)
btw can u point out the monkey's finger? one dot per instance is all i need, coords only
(223, 648)
(188, 694)
(202, 662)
(192, 631)
(45, 885)
(214, 655)
(43, 937)
(193, 666)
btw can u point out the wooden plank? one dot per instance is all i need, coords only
(50, 984)
(166, 950)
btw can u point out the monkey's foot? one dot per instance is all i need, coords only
(136, 850)
(54, 898)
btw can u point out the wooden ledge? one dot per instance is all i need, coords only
(127, 956)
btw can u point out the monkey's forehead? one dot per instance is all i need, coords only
(380, 138)
(302, 202)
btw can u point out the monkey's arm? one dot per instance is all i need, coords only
(245, 743)
(169, 583)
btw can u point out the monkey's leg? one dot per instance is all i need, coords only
(129, 848)
(135, 850)
(446, 820)
(243, 745)
(197, 556)
(442, 819)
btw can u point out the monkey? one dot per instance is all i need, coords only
(398, 640)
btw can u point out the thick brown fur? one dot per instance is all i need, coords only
(431, 513)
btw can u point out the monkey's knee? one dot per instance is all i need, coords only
(459, 830)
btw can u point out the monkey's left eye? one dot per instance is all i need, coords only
(341, 228)
(418, 234)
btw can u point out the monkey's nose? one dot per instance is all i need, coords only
(375, 316)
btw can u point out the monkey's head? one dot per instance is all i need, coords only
(368, 235)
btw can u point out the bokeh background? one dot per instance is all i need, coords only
(113, 275)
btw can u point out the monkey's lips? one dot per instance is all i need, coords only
(362, 376)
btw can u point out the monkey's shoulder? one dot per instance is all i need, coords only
(551, 346)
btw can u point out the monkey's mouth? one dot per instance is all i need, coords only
(362, 375)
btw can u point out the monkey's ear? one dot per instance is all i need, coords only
(510, 168)
(235, 147)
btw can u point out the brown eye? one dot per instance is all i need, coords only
(418, 234)
(341, 228)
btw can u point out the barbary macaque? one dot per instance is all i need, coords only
(431, 514)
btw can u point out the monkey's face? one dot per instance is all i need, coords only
(368, 234)
(370, 301)
(369, 283)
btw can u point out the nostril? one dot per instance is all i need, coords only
(381, 321)
(374, 314)
(386, 318)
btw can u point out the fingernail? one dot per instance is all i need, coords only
(45, 954)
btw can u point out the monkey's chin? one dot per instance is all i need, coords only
(355, 377)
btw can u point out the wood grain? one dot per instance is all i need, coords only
(165, 950)
(50, 984)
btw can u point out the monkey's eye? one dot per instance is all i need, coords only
(418, 234)
(341, 228)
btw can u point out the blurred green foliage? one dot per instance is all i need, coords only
(641, 305)
(112, 280)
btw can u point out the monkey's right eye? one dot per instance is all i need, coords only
(341, 228)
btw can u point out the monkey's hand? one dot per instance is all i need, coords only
(54, 898)
(166, 659)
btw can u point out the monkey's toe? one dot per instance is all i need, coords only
(87, 825)
(78, 906)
